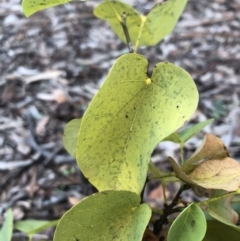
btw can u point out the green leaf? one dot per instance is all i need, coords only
(32, 226)
(32, 6)
(129, 115)
(105, 216)
(236, 204)
(70, 136)
(221, 209)
(173, 138)
(182, 136)
(143, 30)
(189, 225)
(217, 231)
(188, 133)
(7, 228)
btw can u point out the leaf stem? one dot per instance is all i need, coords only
(122, 20)
(125, 30)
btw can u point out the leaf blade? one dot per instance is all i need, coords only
(128, 117)
(118, 216)
(189, 225)
(32, 226)
(32, 6)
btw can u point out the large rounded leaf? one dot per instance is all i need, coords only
(190, 225)
(110, 215)
(129, 115)
(143, 30)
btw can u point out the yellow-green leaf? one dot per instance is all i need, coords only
(70, 136)
(161, 21)
(221, 209)
(143, 30)
(129, 115)
(105, 216)
(32, 6)
(190, 225)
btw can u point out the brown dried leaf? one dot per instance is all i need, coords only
(212, 148)
(179, 172)
(199, 191)
(217, 174)
(149, 236)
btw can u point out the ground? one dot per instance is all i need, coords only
(52, 64)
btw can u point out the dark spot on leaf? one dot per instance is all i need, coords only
(126, 116)
(134, 108)
(154, 107)
(193, 223)
(156, 122)
(177, 106)
(76, 238)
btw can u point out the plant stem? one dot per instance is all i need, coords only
(125, 30)
(169, 209)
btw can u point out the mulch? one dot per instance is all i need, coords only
(53, 63)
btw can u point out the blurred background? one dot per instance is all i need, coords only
(53, 63)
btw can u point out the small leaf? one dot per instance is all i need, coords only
(189, 225)
(217, 174)
(7, 228)
(173, 138)
(147, 30)
(31, 226)
(32, 6)
(211, 148)
(221, 209)
(161, 21)
(188, 133)
(126, 119)
(112, 11)
(109, 215)
(70, 136)
(217, 231)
